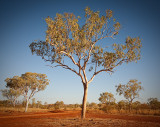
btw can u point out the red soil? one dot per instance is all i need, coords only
(45, 119)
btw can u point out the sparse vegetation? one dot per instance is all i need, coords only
(11, 94)
(107, 101)
(121, 107)
(27, 85)
(130, 91)
(89, 44)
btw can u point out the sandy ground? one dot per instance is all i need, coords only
(72, 119)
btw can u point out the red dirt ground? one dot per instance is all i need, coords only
(72, 119)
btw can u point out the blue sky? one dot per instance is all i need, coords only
(23, 21)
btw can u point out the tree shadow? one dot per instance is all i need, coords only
(56, 111)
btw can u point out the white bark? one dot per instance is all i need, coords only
(84, 101)
(27, 102)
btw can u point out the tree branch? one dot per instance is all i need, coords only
(98, 73)
(70, 57)
(89, 55)
(67, 67)
(120, 62)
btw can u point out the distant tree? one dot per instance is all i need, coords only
(136, 105)
(39, 104)
(87, 104)
(11, 94)
(50, 106)
(45, 103)
(4, 103)
(24, 102)
(154, 103)
(144, 106)
(106, 98)
(33, 102)
(44, 106)
(29, 84)
(59, 104)
(76, 105)
(81, 44)
(108, 101)
(122, 104)
(130, 91)
(93, 105)
(71, 106)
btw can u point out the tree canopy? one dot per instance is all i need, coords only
(130, 91)
(11, 95)
(154, 103)
(67, 40)
(29, 84)
(106, 98)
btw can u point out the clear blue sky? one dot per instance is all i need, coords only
(22, 22)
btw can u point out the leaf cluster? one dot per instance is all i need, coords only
(131, 90)
(106, 98)
(65, 37)
(11, 93)
(28, 81)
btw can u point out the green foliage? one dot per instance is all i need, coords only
(144, 106)
(107, 108)
(5, 103)
(11, 95)
(130, 91)
(29, 84)
(107, 101)
(59, 105)
(106, 98)
(130, 51)
(93, 105)
(154, 103)
(66, 38)
(122, 104)
(33, 102)
(39, 104)
(33, 82)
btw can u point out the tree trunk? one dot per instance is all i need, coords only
(130, 107)
(14, 103)
(27, 102)
(84, 101)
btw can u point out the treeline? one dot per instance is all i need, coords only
(152, 106)
(21, 104)
(59, 105)
(28, 84)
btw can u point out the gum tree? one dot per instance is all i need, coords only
(154, 103)
(11, 94)
(106, 98)
(29, 84)
(130, 91)
(67, 40)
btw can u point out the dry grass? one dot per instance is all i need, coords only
(96, 122)
(12, 109)
(113, 111)
(137, 112)
(148, 112)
